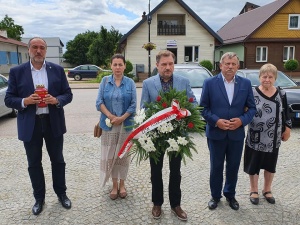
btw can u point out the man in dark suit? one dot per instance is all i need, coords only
(165, 80)
(36, 124)
(228, 106)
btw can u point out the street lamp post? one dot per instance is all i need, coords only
(149, 18)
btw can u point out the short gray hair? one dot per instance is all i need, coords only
(268, 68)
(36, 38)
(229, 55)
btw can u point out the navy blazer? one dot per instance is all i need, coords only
(216, 106)
(152, 87)
(20, 85)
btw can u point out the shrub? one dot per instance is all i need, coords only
(291, 65)
(207, 64)
(129, 67)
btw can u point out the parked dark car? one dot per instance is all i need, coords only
(85, 71)
(3, 109)
(291, 88)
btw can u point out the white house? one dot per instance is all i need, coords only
(174, 26)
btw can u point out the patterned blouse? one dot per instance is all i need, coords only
(264, 131)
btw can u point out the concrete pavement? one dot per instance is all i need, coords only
(92, 205)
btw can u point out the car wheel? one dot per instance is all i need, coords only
(77, 77)
(13, 113)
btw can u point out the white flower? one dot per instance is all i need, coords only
(173, 145)
(146, 143)
(140, 116)
(182, 141)
(107, 122)
(165, 128)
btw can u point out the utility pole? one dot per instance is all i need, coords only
(149, 18)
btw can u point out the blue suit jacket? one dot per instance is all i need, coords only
(216, 106)
(152, 87)
(20, 85)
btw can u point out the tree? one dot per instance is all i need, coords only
(104, 46)
(13, 31)
(77, 49)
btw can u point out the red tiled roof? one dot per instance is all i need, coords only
(12, 41)
(241, 26)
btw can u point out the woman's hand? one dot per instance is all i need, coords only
(286, 134)
(117, 120)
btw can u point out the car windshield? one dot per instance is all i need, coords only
(282, 79)
(196, 76)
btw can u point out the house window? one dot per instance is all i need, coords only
(191, 54)
(261, 54)
(294, 21)
(20, 58)
(8, 59)
(288, 52)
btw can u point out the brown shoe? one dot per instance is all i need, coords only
(179, 213)
(156, 212)
(123, 194)
(113, 196)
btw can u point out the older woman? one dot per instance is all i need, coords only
(265, 133)
(117, 102)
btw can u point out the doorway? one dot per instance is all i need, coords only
(174, 50)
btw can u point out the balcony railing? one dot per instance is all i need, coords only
(170, 29)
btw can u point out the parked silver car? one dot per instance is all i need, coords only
(3, 109)
(196, 75)
(291, 88)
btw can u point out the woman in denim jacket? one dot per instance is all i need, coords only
(116, 101)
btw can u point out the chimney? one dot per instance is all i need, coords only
(3, 33)
(144, 15)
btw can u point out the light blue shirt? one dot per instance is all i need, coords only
(229, 86)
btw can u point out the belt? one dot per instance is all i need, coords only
(42, 116)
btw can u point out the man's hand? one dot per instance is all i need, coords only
(32, 99)
(50, 100)
(234, 123)
(223, 124)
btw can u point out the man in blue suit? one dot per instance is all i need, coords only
(228, 106)
(165, 80)
(36, 124)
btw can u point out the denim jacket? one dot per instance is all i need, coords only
(128, 90)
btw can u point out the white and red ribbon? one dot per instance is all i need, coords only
(161, 117)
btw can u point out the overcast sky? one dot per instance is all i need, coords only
(67, 18)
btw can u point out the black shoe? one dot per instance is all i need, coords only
(233, 203)
(38, 207)
(253, 200)
(271, 200)
(65, 201)
(213, 203)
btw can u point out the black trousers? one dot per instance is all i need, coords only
(42, 131)
(174, 181)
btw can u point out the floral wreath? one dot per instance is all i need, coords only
(169, 134)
